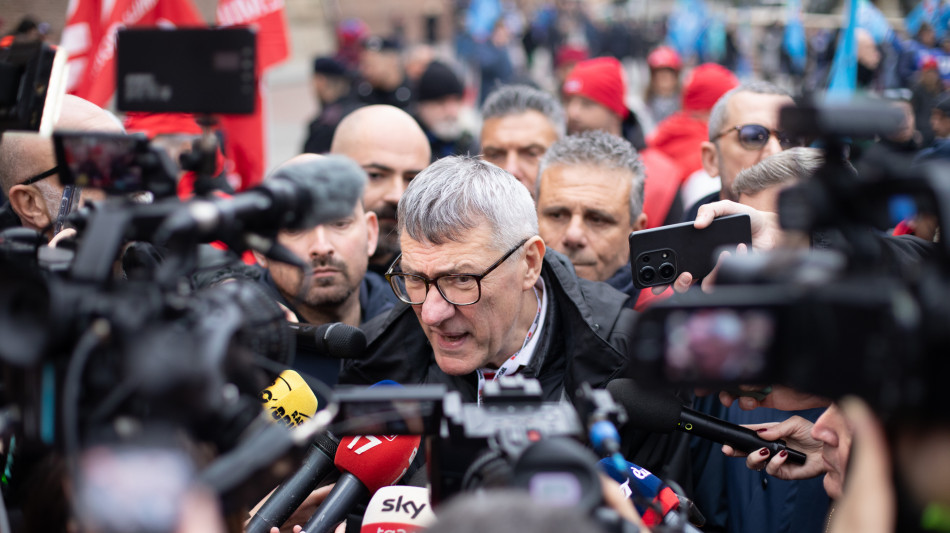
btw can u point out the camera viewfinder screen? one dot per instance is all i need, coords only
(102, 162)
(717, 344)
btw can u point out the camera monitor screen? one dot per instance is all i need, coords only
(718, 344)
(99, 160)
(187, 70)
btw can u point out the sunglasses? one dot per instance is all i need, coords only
(41, 176)
(756, 136)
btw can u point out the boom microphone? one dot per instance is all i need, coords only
(336, 340)
(297, 196)
(662, 413)
(368, 463)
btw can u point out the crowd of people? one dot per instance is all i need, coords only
(491, 239)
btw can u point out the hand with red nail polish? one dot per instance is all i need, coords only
(796, 432)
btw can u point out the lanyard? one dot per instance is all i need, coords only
(517, 361)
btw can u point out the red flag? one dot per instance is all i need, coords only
(244, 135)
(80, 36)
(268, 17)
(96, 82)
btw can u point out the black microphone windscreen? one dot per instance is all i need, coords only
(327, 443)
(343, 341)
(649, 410)
(336, 340)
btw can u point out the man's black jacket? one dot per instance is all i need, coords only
(585, 339)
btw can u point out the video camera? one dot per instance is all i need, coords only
(865, 314)
(32, 80)
(109, 342)
(513, 439)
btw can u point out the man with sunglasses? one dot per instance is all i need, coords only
(482, 297)
(743, 130)
(28, 172)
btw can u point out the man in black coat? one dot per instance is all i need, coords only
(487, 298)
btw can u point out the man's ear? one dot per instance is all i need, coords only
(534, 258)
(261, 260)
(372, 232)
(710, 157)
(640, 223)
(29, 204)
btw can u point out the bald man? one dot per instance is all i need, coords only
(391, 147)
(28, 173)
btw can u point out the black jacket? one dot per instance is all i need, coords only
(585, 337)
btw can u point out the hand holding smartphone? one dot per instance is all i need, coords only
(659, 255)
(68, 204)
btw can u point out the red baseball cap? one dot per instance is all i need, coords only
(664, 57)
(602, 80)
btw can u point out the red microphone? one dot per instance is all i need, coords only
(367, 463)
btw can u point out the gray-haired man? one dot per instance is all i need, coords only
(519, 123)
(590, 197)
(481, 296)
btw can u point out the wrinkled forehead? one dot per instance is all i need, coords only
(466, 252)
(754, 108)
(518, 130)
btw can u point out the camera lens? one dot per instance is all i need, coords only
(667, 270)
(645, 258)
(647, 274)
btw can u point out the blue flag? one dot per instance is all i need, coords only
(844, 68)
(794, 40)
(685, 27)
(928, 11)
(871, 19)
(481, 17)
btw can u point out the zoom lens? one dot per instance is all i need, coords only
(667, 270)
(647, 274)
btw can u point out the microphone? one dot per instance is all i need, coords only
(664, 412)
(292, 492)
(289, 399)
(398, 508)
(336, 340)
(654, 499)
(368, 463)
(298, 195)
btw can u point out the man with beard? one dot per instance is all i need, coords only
(337, 287)
(438, 104)
(391, 148)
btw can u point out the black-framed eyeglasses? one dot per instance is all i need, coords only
(457, 289)
(756, 136)
(41, 176)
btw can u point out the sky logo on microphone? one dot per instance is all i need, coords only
(399, 505)
(398, 509)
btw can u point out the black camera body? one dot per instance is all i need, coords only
(513, 439)
(859, 320)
